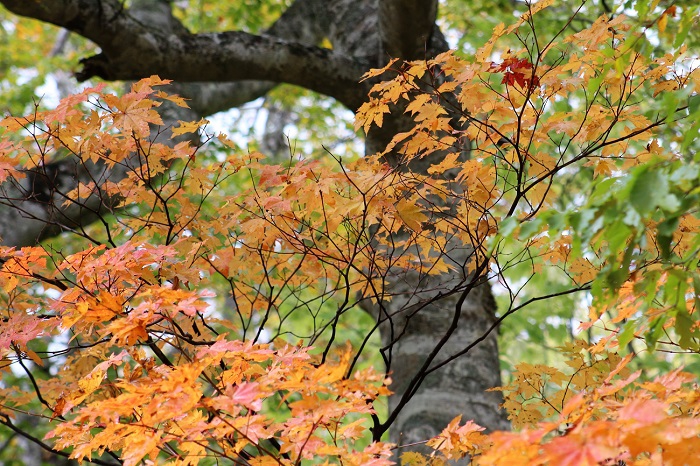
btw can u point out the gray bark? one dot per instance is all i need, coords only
(430, 319)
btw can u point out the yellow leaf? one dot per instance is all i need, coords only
(188, 127)
(370, 112)
(417, 103)
(176, 99)
(378, 71)
(604, 167)
(411, 214)
(35, 357)
(90, 382)
(411, 458)
(663, 21)
(69, 319)
(111, 302)
(10, 283)
(448, 86)
(145, 84)
(665, 86)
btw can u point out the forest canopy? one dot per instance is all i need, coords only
(506, 274)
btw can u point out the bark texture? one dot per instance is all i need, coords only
(430, 319)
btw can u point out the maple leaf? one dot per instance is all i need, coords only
(128, 331)
(415, 105)
(86, 386)
(457, 441)
(8, 170)
(517, 71)
(176, 99)
(188, 127)
(599, 444)
(374, 72)
(134, 113)
(145, 443)
(411, 214)
(68, 104)
(247, 394)
(144, 86)
(370, 112)
(20, 329)
(665, 86)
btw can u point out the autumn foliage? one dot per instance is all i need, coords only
(152, 369)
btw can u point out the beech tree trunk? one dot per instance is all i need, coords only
(430, 320)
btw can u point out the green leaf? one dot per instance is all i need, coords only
(616, 278)
(690, 136)
(687, 21)
(632, 218)
(531, 228)
(507, 226)
(669, 202)
(693, 104)
(627, 333)
(603, 189)
(647, 189)
(685, 176)
(664, 235)
(617, 235)
(642, 9)
(670, 104)
(657, 329)
(684, 327)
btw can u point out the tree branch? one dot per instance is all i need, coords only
(5, 420)
(133, 49)
(305, 22)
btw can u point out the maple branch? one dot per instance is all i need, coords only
(39, 396)
(5, 420)
(133, 49)
(158, 352)
(32, 206)
(406, 27)
(231, 56)
(304, 21)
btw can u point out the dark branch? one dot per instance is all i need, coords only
(5, 420)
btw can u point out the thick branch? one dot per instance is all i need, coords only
(208, 98)
(406, 26)
(132, 49)
(305, 22)
(231, 56)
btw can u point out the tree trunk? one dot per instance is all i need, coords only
(430, 320)
(423, 311)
